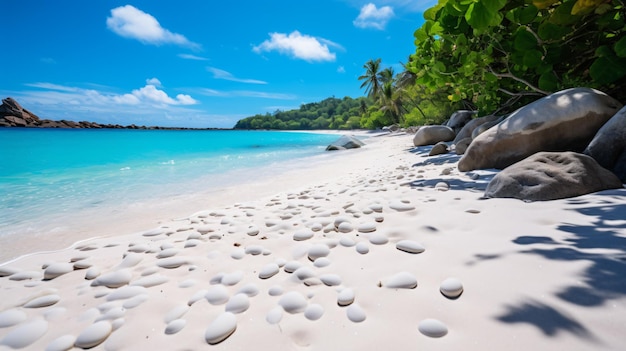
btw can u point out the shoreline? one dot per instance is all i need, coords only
(348, 252)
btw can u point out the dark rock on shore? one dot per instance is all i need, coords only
(563, 121)
(345, 142)
(608, 147)
(550, 176)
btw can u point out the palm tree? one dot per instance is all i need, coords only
(371, 79)
(391, 102)
(386, 76)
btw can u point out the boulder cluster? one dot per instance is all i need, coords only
(570, 143)
(12, 114)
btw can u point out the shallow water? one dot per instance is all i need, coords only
(46, 174)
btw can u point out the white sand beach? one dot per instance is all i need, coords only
(348, 252)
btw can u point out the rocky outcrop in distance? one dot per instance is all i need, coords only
(12, 114)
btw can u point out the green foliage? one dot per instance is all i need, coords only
(331, 113)
(485, 52)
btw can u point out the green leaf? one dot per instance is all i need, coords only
(524, 40)
(620, 47)
(548, 81)
(563, 15)
(607, 69)
(480, 17)
(493, 5)
(550, 31)
(528, 14)
(532, 58)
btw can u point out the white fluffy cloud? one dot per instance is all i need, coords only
(373, 17)
(147, 95)
(130, 22)
(300, 46)
(221, 74)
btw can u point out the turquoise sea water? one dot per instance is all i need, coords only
(45, 173)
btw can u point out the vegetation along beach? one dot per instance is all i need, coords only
(437, 175)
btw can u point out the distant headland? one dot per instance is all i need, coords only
(12, 114)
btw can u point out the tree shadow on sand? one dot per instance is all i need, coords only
(602, 243)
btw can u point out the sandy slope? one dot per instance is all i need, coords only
(535, 276)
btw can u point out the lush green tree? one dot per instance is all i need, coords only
(494, 53)
(371, 78)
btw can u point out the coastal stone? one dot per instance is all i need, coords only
(321, 262)
(26, 275)
(486, 126)
(269, 271)
(400, 206)
(254, 250)
(345, 297)
(410, 246)
(57, 269)
(345, 142)
(171, 262)
(126, 292)
(345, 227)
(550, 176)
(175, 313)
(355, 313)
(25, 334)
(347, 241)
(330, 279)
(433, 328)
(291, 266)
(192, 243)
(274, 315)
(153, 232)
(468, 129)
(11, 317)
(167, 253)
(43, 301)
(175, 326)
(238, 253)
(199, 295)
(451, 288)
(293, 302)
(217, 295)
(92, 273)
(221, 328)
(378, 239)
(6, 271)
(114, 279)
(151, 280)
(317, 251)
(130, 260)
(439, 149)
(608, 146)
(461, 146)
(62, 343)
(135, 301)
(362, 248)
(249, 289)
(564, 121)
(367, 227)
(238, 303)
(275, 290)
(16, 116)
(253, 231)
(430, 135)
(314, 312)
(402, 280)
(303, 234)
(459, 119)
(232, 278)
(304, 272)
(93, 335)
(82, 264)
(376, 208)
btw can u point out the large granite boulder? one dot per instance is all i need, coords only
(13, 114)
(564, 121)
(459, 119)
(345, 142)
(468, 129)
(550, 176)
(608, 147)
(430, 135)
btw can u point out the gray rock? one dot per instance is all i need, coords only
(608, 147)
(461, 146)
(564, 121)
(430, 135)
(439, 149)
(550, 176)
(459, 119)
(345, 142)
(468, 129)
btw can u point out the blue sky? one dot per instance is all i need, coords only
(194, 63)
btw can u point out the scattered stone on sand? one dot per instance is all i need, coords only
(114, 279)
(11, 317)
(293, 302)
(433, 328)
(318, 250)
(221, 328)
(217, 295)
(401, 280)
(356, 313)
(175, 326)
(62, 343)
(238, 303)
(451, 288)
(410, 246)
(93, 335)
(345, 297)
(57, 269)
(43, 301)
(269, 271)
(25, 334)
(275, 315)
(314, 312)
(303, 234)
